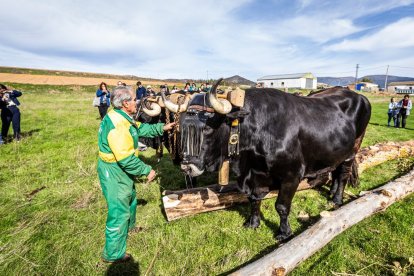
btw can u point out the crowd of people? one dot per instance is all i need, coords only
(141, 91)
(399, 111)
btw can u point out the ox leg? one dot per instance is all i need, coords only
(334, 185)
(254, 219)
(341, 176)
(283, 204)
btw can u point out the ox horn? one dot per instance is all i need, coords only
(153, 111)
(174, 107)
(222, 106)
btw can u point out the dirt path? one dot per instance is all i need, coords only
(64, 80)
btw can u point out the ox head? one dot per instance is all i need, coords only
(205, 131)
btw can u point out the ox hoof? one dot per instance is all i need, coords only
(251, 223)
(337, 202)
(283, 236)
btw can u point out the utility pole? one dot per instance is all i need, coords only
(207, 76)
(386, 79)
(356, 75)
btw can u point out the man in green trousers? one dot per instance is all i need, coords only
(118, 165)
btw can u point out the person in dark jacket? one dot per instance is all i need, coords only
(141, 92)
(2, 105)
(10, 113)
(105, 101)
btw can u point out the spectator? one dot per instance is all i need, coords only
(118, 165)
(163, 88)
(187, 87)
(174, 89)
(150, 92)
(104, 101)
(10, 113)
(2, 105)
(404, 106)
(141, 92)
(208, 87)
(202, 88)
(167, 90)
(392, 111)
(193, 88)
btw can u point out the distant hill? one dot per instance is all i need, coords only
(237, 80)
(378, 79)
(333, 81)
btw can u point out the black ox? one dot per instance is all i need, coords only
(283, 139)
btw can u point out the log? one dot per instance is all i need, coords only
(178, 204)
(182, 203)
(289, 255)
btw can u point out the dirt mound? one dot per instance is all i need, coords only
(65, 80)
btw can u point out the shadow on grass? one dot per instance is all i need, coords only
(385, 125)
(23, 135)
(128, 268)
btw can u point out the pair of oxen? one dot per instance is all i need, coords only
(281, 139)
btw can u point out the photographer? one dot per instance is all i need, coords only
(10, 113)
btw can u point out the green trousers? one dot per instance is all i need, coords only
(119, 191)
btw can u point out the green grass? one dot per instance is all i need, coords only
(60, 229)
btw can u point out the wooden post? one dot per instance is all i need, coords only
(289, 255)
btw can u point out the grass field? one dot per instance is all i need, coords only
(60, 229)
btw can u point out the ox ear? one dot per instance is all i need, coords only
(238, 114)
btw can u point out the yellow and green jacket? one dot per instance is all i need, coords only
(118, 141)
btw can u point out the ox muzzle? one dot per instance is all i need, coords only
(191, 128)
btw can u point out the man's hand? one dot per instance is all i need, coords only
(168, 126)
(151, 176)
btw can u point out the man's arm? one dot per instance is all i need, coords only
(153, 130)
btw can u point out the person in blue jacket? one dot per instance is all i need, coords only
(10, 113)
(105, 100)
(141, 92)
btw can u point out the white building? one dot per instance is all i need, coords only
(301, 81)
(402, 87)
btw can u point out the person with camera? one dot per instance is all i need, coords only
(104, 94)
(10, 113)
(118, 165)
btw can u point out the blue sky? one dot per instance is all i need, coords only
(214, 38)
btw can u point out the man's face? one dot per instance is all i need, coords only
(130, 106)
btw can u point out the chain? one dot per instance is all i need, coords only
(172, 134)
(176, 127)
(167, 121)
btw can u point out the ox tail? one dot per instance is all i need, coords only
(354, 176)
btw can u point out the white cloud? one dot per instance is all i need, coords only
(181, 39)
(394, 36)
